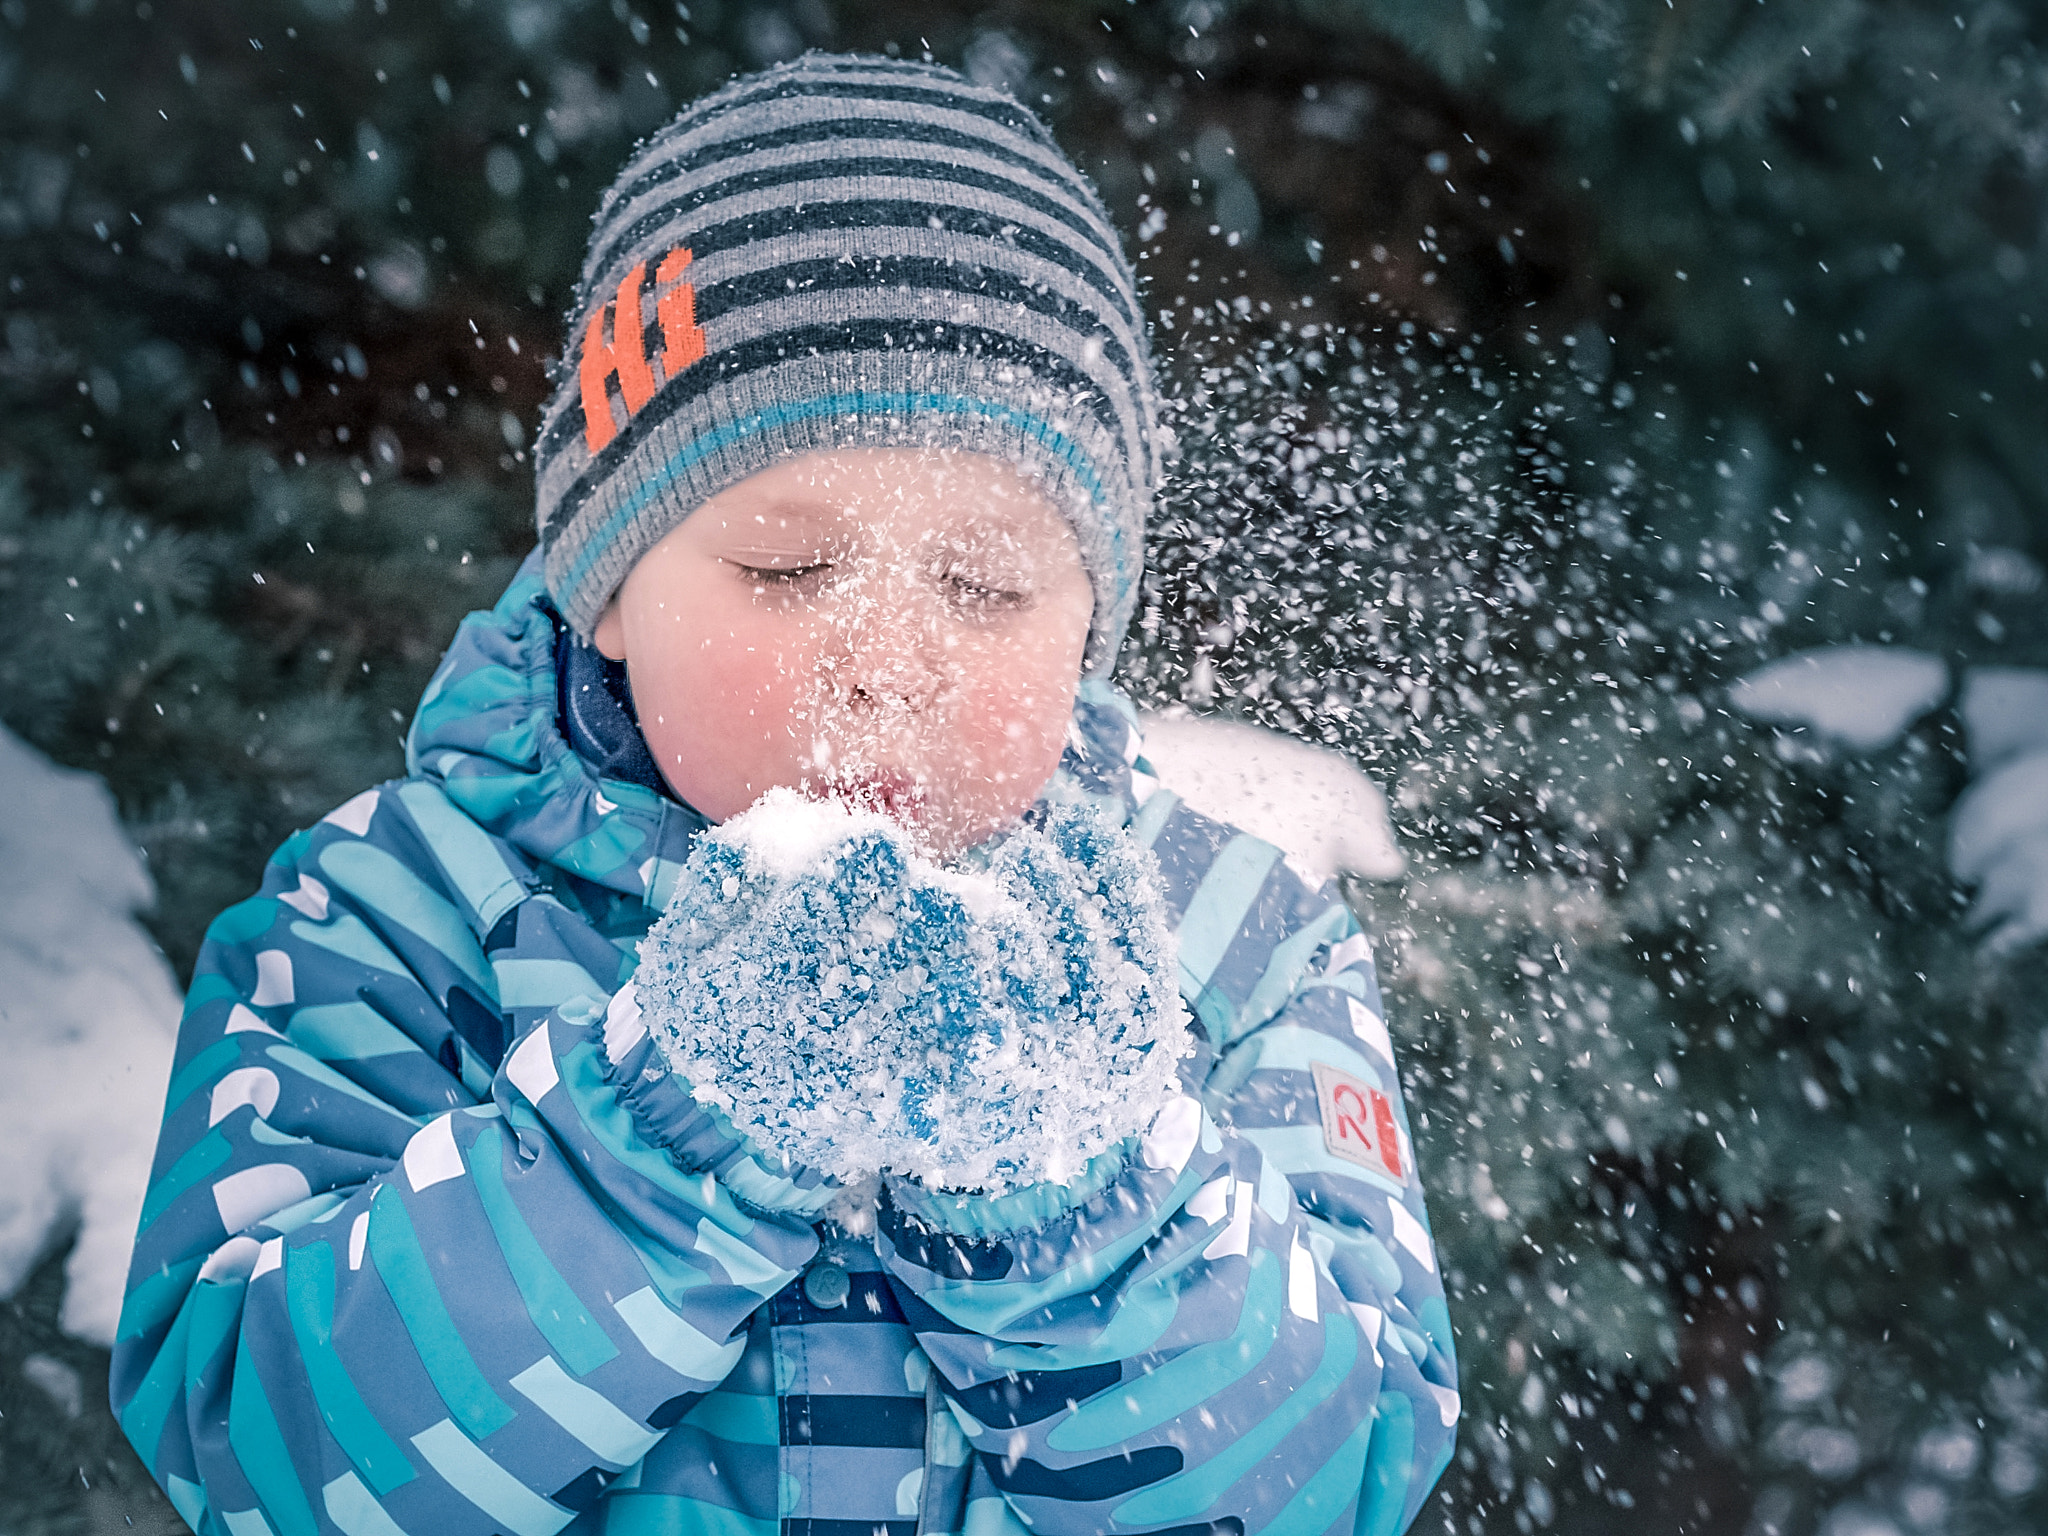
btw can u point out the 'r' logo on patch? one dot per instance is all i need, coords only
(1358, 1122)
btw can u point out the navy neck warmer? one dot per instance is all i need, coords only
(597, 716)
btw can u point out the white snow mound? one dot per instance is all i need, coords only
(1864, 696)
(2005, 712)
(854, 1006)
(1998, 841)
(1310, 802)
(88, 1016)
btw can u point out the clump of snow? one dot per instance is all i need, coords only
(1864, 696)
(1998, 834)
(1311, 803)
(2005, 712)
(88, 1014)
(854, 1006)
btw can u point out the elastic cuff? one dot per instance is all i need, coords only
(699, 1139)
(1030, 1209)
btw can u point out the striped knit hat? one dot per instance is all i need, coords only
(847, 251)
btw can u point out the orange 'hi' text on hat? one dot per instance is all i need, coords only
(624, 357)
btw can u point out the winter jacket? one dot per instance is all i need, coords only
(432, 1244)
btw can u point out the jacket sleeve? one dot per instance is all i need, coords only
(391, 1274)
(1234, 1323)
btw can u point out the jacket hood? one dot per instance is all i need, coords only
(489, 731)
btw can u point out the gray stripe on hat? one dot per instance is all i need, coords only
(886, 241)
(779, 90)
(806, 182)
(822, 120)
(910, 316)
(705, 271)
(682, 191)
(1066, 400)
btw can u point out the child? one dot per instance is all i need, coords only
(842, 492)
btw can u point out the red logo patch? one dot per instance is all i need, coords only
(1358, 1122)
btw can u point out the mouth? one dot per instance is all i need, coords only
(895, 795)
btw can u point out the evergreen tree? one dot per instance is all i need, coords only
(1539, 369)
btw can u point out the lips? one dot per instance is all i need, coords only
(895, 795)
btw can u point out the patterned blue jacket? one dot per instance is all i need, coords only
(433, 1245)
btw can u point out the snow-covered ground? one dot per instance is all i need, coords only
(1867, 696)
(88, 1013)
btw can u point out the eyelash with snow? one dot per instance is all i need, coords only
(781, 576)
(982, 595)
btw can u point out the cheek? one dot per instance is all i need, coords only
(726, 712)
(1018, 721)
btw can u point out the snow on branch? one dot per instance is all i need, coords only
(1998, 837)
(1867, 696)
(1862, 695)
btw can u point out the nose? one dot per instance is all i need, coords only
(891, 657)
(892, 677)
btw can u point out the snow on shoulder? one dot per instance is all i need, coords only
(88, 1020)
(1309, 802)
(854, 1006)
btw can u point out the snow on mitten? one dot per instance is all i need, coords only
(855, 1007)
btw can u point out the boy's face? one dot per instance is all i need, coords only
(900, 627)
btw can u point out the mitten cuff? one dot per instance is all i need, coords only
(1030, 1209)
(697, 1137)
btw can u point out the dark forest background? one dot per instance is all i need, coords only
(1540, 368)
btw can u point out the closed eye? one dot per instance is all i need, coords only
(782, 575)
(977, 594)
